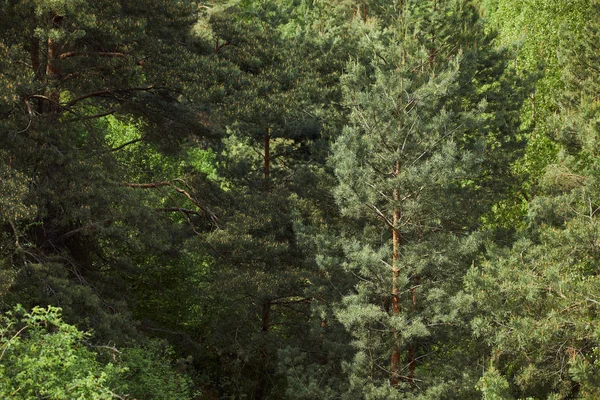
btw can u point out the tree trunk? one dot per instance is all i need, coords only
(267, 155)
(53, 70)
(35, 59)
(412, 361)
(396, 239)
(263, 354)
(432, 51)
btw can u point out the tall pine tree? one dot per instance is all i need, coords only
(410, 166)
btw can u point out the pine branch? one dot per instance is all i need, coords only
(155, 185)
(178, 209)
(127, 144)
(70, 54)
(85, 227)
(381, 215)
(105, 92)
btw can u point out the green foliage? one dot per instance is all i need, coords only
(537, 299)
(540, 33)
(494, 386)
(411, 160)
(233, 178)
(42, 356)
(149, 372)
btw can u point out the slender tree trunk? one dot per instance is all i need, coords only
(53, 69)
(38, 72)
(396, 239)
(35, 58)
(432, 51)
(261, 385)
(263, 352)
(267, 155)
(412, 361)
(265, 315)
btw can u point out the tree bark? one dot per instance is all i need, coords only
(52, 67)
(396, 242)
(265, 315)
(412, 361)
(35, 59)
(267, 156)
(263, 354)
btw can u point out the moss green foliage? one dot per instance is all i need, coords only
(43, 356)
(199, 199)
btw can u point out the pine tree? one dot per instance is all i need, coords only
(537, 299)
(70, 70)
(269, 166)
(410, 167)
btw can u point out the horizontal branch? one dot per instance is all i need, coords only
(41, 97)
(298, 301)
(70, 54)
(93, 225)
(178, 209)
(105, 92)
(94, 116)
(153, 185)
(127, 144)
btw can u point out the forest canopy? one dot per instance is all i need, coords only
(299, 199)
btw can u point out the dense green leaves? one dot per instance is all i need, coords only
(42, 356)
(299, 199)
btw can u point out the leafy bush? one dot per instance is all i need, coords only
(41, 356)
(44, 357)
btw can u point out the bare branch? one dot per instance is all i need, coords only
(105, 92)
(381, 215)
(70, 54)
(178, 209)
(99, 115)
(127, 144)
(7, 345)
(153, 185)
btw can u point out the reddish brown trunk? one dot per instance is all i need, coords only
(52, 73)
(53, 70)
(39, 71)
(267, 156)
(396, 239)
